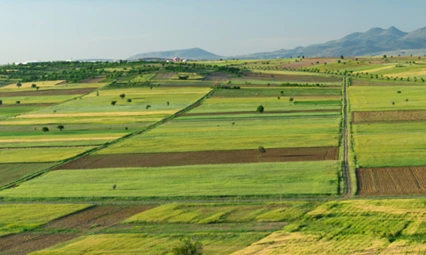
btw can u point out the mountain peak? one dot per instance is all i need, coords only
(191, 53)
(375, 30)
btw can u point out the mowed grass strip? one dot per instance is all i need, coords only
(213, 243)
(387, 98)
(278, 92)
(205, 135)
(16, 218)
(14, 171)
(38, 83)
(390, 144)
(198, 181)
(36, 155)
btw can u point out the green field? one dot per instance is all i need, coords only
(21, 217)
(15, 171)
(220, 134)
(199, 181)
(390, 144)
(387, 98)
(29, 155)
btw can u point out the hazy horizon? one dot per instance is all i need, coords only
(57, 30)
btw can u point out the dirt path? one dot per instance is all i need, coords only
(347, 190)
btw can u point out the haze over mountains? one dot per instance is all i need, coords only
(375, 41)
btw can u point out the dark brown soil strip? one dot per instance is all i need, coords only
(388, 116)
(29, 242)
(47, 92)
(391, 181)
(203, 157)
(254, 112)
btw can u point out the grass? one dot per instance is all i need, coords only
(15, 218)
(223, 243)
(220, 134)
(380, 98)
(390, 144)
(197, 181)
(350, 227)
(35, 155)
(191, 76)
(222, 213)
(250, 104)
(38, 83)
(275, 92)
(15, 171)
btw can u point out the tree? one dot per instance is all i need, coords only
(18, 84)
(61, 127)
(342, 57)
(18, 102)
(37, 88)
(123, 96)
(113, 102)
(261, 149)
(1, 102)
(188, 247)
(260, 109)
(148, 106)
(45, 129)
(168, 103)
(129, 100)
(384, 56)
(33, 85)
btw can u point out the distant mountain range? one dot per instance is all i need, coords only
(375, 41)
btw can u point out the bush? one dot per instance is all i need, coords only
(45, 129)
(113, 102)
(261, 149)
(188, 247)
(260, 109)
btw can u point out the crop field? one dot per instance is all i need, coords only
(20, 217)
(245, 156)
(219, 134)
(352, 227)
(260, 179)
(391, 181)
(390, 144)
(15, 171)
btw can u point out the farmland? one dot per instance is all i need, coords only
(245, 156)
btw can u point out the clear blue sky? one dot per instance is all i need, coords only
(57, 29)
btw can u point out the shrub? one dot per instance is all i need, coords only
(261, 149)
(188, 247)
(260, 109)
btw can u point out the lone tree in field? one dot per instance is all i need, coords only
(18, 84)
(114, 186)
(260, 109)
(261, 149)
(123, 96)
(45, 129)
(37, 88)
(129, 100)
(148, 106)
(1, 102)
(33, 85)
(18, 102)
(168, 103)
(61, 127)
(188, 247)
(113, 102)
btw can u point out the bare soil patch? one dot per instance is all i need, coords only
(28, 242)
(97, 217)
(255, 112)
(384, 116)
(292, 77)
(203, 157)
(48, 92)
(391, 181)
(218, 76)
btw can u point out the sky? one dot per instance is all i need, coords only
(76, 29)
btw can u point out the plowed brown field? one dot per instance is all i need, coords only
(391, 181)
(360, 117)
(203, 157)
(218, 76)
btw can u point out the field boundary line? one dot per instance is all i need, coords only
(347, 189)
